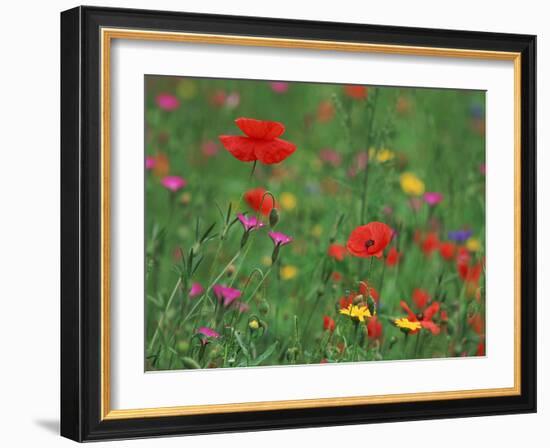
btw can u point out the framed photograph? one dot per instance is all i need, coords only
(276, 224)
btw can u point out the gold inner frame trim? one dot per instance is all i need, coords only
(107, 35)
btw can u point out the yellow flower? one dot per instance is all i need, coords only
(287, 201)
(411, 185)
(473, 245)
(317, 230)
(288, 272)
(356, 312)
(254, 324)
(406, 324)
(384, 155)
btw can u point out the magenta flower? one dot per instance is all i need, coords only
(149, 162)
(174, 183)
(225, 294)
(209, 333)
(249, 222)
(279, 239)
(279, 86)
(432, 198)
(167, 102)
(196, 290)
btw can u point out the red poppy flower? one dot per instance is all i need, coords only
(420, 298)
(393, 257)
(430, 243)
(369, 240)
(374, 328)
(337, 251)
(257, 201)
(424, 317)
(356, 92)
(328, 323)
(447, 250)
(260, 143)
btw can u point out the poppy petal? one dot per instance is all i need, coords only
(273, 151)
(431, 311)
(406, 308)
(265, 130)
(429, 325)
(241, 148)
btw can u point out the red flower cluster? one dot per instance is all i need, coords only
(260, 143)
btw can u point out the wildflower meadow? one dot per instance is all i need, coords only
(303, 223)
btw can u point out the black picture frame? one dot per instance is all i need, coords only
(81, 224)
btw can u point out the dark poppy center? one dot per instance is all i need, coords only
(420, 316)
(369, 243)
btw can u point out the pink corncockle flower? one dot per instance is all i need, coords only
(432, 198)
(232, 100)
(225, 294)
(279, 239)
(279, 86)
(249, 222)
(210, 148)
(196, 290)
(209, 333)
(330, 156)
(150, 162)
(167, 101)
(174, 183)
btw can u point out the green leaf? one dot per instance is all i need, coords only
(261, 358)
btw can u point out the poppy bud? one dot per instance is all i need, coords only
(273, 217)
(393, 341)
